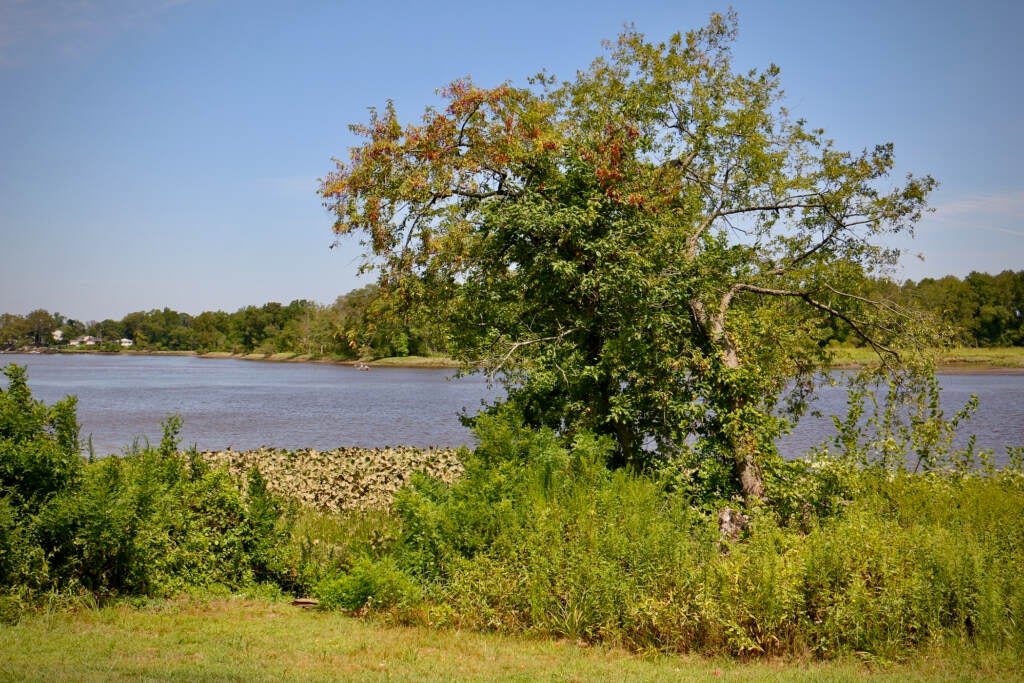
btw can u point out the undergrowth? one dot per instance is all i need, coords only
(844, 556)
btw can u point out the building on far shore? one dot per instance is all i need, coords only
(96, 341)
(87, 340)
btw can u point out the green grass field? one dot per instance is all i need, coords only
(950, 360)
(261, 640)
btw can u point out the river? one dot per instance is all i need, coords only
(244, 404)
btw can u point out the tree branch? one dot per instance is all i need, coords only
(520, 344)
(810, 300)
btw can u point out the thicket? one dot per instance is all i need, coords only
(849, 552)
(151, 522)
(856, 550)
(541, 537)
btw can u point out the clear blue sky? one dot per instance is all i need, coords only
(166, 152)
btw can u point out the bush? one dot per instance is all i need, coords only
(539, 536)
(374, 584)
(152, 522)
(39, 454)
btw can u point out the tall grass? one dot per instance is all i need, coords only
(539, 538)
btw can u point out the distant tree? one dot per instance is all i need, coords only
(72, 328)
(13, 330)
(40, 325)
(212, 331)
(113, 329)
(653, 251)
(995, 320)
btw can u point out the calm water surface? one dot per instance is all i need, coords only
(246, 404)
(999, 421)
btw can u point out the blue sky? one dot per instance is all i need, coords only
(166, 152)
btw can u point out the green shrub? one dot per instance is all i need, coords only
(323, 544)
(38, 444)
(378, 584)
(539, 536)
(152, 522)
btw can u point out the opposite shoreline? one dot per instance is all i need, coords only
(405, 362)
(965, 364)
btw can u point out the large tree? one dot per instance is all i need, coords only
(653, 251)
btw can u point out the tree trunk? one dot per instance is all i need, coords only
(748, 471)
(744, 446)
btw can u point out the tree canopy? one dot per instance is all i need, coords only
(654, 250)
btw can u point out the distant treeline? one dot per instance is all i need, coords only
(359, 324)
(981, 310)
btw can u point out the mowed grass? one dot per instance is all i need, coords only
(416, 362)
(262, 640)
(950, 360)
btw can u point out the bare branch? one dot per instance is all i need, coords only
(880, 304)
(783, 205)
(527, 342)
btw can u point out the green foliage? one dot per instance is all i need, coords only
(378, 584)
(359, 324)
(898, 422)
(513, 471)
(39, 461)
(980, 310)
(541, 537)
(323, 545)
(38, 444)
(151, 522)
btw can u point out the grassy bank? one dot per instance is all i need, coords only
(950, 360)
(258, 640)
(995, 359)
(397, 361)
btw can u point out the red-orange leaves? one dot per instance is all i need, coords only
(406, 187)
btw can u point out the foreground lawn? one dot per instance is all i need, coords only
(246, 640)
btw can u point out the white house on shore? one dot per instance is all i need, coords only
(94, 341)
(87, 340)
